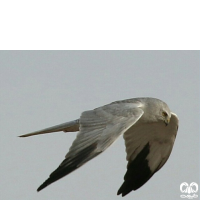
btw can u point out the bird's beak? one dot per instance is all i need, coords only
(167, 120)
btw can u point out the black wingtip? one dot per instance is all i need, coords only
(70, 164)
(123, 194)
(124, 190)
(45, 184)
(138, 172)
(40, 188)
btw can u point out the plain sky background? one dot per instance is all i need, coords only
(44, 88)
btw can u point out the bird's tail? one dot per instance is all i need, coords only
(66, 127)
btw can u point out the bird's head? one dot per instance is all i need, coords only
(165, 116)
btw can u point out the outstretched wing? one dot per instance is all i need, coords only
(71, 126)
(148, 147)
(99, 128)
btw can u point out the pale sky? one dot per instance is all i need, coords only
(44, 88)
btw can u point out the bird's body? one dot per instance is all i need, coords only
(149, 130)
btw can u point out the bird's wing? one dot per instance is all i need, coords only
(99, 128)
(71, 126)
(148, 147)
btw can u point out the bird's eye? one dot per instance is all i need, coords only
(164, 114)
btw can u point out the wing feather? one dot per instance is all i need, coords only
(71, 126)
(99, 128)
(148, 147)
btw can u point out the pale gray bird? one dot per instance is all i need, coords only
(149, 129)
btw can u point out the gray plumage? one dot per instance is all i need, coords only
(149, 129)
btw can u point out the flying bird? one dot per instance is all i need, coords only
(149, 129)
